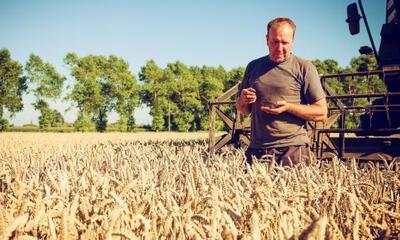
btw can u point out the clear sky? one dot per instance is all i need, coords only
(208, 32)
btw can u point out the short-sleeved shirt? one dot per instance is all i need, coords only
(296, 81)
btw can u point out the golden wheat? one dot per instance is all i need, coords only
(167, 186)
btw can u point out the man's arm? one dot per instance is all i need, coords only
(316, 111)
(246, 98)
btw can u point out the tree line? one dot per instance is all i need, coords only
(177, 95)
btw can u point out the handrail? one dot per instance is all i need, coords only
(364, 73)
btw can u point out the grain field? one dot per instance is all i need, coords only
(166, 186)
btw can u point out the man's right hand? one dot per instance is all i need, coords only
(248, 95)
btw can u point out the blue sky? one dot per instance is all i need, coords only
(219, 32)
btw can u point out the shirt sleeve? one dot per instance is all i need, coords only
(313, 90)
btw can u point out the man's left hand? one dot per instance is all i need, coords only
(280, 107)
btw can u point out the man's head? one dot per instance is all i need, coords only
(280, 37)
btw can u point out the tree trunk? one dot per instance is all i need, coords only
(169, 117)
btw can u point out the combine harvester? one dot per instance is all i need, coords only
(378, 135)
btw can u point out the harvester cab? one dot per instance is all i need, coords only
(388, 58)
(377, 136)
(389, 50)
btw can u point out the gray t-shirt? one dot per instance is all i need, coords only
(295, 81)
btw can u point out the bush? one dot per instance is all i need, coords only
(3, 124)
(83, 124)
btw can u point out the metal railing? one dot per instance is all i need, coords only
(238, 130)
(343, 105)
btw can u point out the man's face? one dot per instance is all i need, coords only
(280, 42)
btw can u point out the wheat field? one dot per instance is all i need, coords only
(167, 186)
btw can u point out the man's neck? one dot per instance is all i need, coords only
(277, 63)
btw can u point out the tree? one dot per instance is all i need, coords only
(50, 118)
(366, 85)
(12, 86)
(185, 94)
(214, 82)
(57, 119)
(156, 93)
(211, 85)
(352, 85)
(90, 88)
(357, 85)
(83, 123)
(330, 66)
(235, 76)
(47, 84)
(178, 95)
(124, 92)
(102, 85)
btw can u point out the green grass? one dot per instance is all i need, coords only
(66, 129)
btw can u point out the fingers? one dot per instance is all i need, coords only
(274, 111)
(280, 107)
(250, 89)
(249, 95)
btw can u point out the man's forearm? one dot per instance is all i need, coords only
(312, 112)
(243, 108)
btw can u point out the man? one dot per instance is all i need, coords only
(282, 92)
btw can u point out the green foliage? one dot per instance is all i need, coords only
(45, 118)
(103, 84)
(185, 96)
(158, 119)
(48, 117)
(30, 125)
(122, 124)
(330, 66)
(183, 120)
(178, 95)
(12, 86)
(352, 85)
(211, 87)
(83, 123)
(39, 104)
(57, 119)
(35, 128)
(126, 124)
(157, 92)
(357, 85)
(3, 124)
(365, 85)
(46, 83)
(151, 76)
(131, 124)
